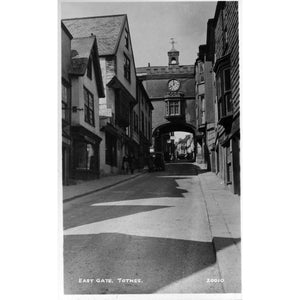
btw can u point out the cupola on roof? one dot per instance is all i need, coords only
(173, 54)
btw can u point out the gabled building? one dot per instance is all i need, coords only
(115, 55)
(87, 88)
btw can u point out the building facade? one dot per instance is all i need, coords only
(226, 70)
(86, 89)
(116, 59)
(172, 94)
(142, 124)
(217, 96)
(205, 101)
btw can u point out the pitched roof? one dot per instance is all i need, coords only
(107, 30)
(81, 49)
(65, 29)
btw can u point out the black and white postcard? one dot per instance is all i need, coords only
(150, 149)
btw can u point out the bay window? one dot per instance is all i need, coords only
(173, 108)
(224, 92)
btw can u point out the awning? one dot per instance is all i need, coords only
(82, 133)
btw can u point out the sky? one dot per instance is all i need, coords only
(152, 24)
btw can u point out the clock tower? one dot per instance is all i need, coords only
(173, 55)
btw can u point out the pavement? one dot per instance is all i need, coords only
(223, 210)
(172, 230)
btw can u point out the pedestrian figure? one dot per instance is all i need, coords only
(125, 164)
(131, 163)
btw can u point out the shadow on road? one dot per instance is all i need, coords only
(153, 185)
(157, 262)
(105, 212)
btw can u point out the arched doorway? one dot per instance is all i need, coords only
(175, 146)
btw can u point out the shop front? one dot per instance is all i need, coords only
(85, 154)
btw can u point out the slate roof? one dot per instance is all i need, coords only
(158, 88)
(107, 30)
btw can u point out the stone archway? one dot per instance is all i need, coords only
(162, 139)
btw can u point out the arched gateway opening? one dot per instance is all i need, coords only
(176, 141)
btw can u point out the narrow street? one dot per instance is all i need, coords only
(148, 235)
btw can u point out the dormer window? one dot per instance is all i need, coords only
(89, 69)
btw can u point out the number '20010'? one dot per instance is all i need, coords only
(214, 280)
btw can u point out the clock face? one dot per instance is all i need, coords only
(173, 85)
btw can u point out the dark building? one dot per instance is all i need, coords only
(142, 124)
(226, 69)
(66, 38)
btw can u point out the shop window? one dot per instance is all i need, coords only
(85, 156)
(126, 67)
(89, 114)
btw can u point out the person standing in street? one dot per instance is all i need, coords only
(125, 164)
